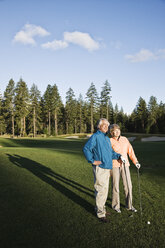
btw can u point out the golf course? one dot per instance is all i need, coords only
(47, 197)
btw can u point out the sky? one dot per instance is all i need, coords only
(73, 43)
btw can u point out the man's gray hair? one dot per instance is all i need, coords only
(100, 122)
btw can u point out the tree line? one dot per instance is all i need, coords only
(25, 112)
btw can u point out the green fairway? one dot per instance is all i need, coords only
(47, 197)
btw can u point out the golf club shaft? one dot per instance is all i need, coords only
(129, 196)
(139, 192)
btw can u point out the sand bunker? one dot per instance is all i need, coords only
(153, 138)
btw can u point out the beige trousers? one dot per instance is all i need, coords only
(101, 186)
(125, 174)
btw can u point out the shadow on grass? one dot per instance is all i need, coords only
(44, 173)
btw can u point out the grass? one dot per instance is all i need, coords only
(47, 197)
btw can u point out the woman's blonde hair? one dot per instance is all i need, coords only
(113, 127)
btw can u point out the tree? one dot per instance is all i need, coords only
(152, 116)
(21, 102)
(86, 117)
(22, 113)
(121, 119)
(80, 112)
(70, 112)
(56, 106)
(2, 121)
(48, 106)
(105, 99)
(92, 97)
(43, 116)
(115, 113)
(8, 106)
(161, 117)
(111, 112)
(35, 109)
(141, 115)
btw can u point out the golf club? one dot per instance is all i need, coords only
(148, 222)
(139, 192)
(127, 187)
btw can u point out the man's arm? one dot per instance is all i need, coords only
(88, 150)
(115, 155)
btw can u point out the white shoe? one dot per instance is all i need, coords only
(132, 209)
(118, 210)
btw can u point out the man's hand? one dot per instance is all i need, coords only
(97, 163)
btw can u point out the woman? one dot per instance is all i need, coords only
(120, 144)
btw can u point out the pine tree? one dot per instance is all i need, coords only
(92, 97)
(21, 102)
(105, 100)
(70, 112)
(111, 113)
(2, 120)
(161, 117)
(80, 112)
(35, 109)
(121, 119)
(141, 115)
(115, 113)
(8, 106)
(56, 106)
(86, 117)
(152, 115)
(132, 121)
(43, 116)
(48, 106)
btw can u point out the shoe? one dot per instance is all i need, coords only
(104, 220)
(132, 209)
(108, 213)
(118, 210)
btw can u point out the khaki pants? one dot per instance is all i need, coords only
(116, 172)
(101, 185)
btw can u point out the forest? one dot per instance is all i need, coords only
(24, 112)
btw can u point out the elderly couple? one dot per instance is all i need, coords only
(105, 153)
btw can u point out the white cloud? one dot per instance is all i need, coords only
(55, 45)
(27, 34)
(143, 55)
(146, 55)
(81, 39)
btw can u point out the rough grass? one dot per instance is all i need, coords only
(47, 197)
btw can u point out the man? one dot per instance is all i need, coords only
(122, 145)
(99, 153)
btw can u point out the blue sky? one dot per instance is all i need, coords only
(76, 42)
